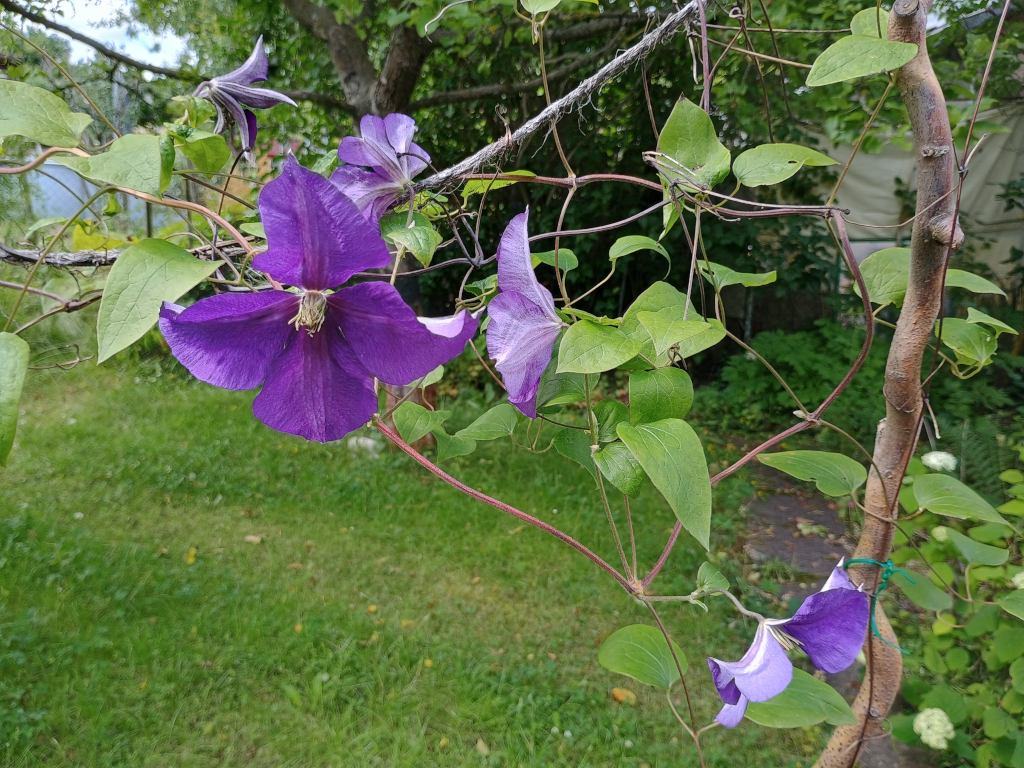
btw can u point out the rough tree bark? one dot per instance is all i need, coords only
(934, 234)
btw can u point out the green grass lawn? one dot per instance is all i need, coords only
(381, 620)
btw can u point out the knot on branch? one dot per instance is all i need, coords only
(943, 229)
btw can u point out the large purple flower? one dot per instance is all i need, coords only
(235, 98)
(315, 351)
(829, 626)
(389, 159)
(523, 323)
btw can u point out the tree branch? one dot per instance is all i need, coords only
(935, 234)
(185, 75)
(36, 18)
(502, 89)
(348, 52)
(582, 93)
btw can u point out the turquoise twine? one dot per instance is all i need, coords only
(888, 569)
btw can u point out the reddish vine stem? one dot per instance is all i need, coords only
(396, 440)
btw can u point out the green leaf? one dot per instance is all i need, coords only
(14, 353)
(420, 239)
(857, 56)
(633, 243)
(167, 157)
(561, 388)
(143, 277)
(945, 495)
(869, 21)
(980, 318)
(806, 701)
(254, 228)
(774, 163)
(432, 377)
(207, 151)
(414, 422)
(722, 276)
(38, 115)
(922, 592)
(664, 393)
(974, 552)
(972, 344)
(710, 579)
(479, 186)
(450, 446)
(592, 348)
(608, 414)
(641, 652)
(133, 161)
(1013, 603)
(574, 444)
(833, 473)
(667, 329)
(567, 260)
(533, 7)
(887, 271)
(691, 147)
(500, 421)
(619, 467)
(672, 456)
(659, 296)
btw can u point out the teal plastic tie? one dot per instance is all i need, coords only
(888, 569)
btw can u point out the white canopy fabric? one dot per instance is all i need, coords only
(869, 191)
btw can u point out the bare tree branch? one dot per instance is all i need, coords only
(503, 89)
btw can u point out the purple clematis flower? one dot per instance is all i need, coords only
(314, 351)
(235, 98)
(829, 626)
(387, 150)
(523, 322)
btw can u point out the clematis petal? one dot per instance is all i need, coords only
(831, 627)
(372, 149)
(256, 98)
(372, 193)
(316, 237)
(399, 130)
(316, 389)
(231, 339)
(838, 579)
(762, 673)
(515, 269)
(520, 337)
(238, 117)
(253, 69)
(387, 338)
(730, 715)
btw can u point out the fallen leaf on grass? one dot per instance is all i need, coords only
(254, 538)
(623, 696)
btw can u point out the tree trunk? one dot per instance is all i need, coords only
(934, 234)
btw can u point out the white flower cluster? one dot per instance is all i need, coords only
(939, 461)
(934, 727)
(1018, 580)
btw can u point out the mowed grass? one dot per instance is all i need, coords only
(373, 617)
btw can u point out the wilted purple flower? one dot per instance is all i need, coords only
(829, 626)
(315, 351)
(523, 323)
(387, 150)
(235, 98)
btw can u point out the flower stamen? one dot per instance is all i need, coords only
(787, 641)
(311, 314)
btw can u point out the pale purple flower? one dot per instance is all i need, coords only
(314, 351)
(380, 163)
(234, 97)
(829, 626)
(523, 324)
